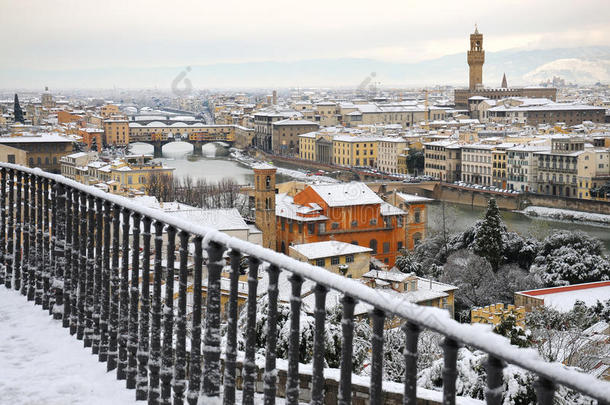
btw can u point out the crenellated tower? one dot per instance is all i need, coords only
(476, 58)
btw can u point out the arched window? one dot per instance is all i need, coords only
(416, 239)
(268, 181)
(373, 245)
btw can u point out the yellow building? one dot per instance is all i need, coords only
(43, 150)
(411, 288)
(307, 146)
(498, 175)
(109, 110)
(389, 150)
(442, 160)
(352, 151)
(495, 313)
(116, 132)
(132, 174)
(343, 258)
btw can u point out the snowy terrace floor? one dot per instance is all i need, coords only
(42, 364)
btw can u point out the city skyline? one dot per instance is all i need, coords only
(63, 37)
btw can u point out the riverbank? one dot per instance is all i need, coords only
(566, 215)
(249, 161)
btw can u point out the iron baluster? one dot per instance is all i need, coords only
(231, 348)
(317, 383)
(195, 362)
(270, 376)
(347, 326)
(250, 369)
(211, 341)
(144, 330)
(292, 381)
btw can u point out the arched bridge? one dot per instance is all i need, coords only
(197, 140)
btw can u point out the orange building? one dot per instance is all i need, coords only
(348, 212)
(417, 215)
(92, 137)
(65, 117)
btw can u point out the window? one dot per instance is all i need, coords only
(283, 223)
(417, 219)
(373, 222)
(334, 260)
(386, 247)
(334, 225)
(322, 227)
(300, 225)
(373, 246)
(11, 158)
(416, 238)
(399, 245)
(354, 224)
(311, 228)
(320, 262)
(290, 227)
(349, 259)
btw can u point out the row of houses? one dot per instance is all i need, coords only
(561, 165)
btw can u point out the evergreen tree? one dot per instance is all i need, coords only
(17, 111)
(488, 240)
(509, 328)
(407, 263)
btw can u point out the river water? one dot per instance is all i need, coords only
(458, 217)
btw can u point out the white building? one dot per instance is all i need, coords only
(522, 166)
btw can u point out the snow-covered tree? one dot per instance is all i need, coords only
(429, 350)
(472, 380)
(475, 280)
(407, 263)
(509, 328)
(17, 111)
(488, 241)
(571, 258)
(333, 335)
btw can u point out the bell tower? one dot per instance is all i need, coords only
(264, 197)
(476, 58)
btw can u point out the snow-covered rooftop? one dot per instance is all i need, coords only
(330, 248)
(346, 194)
(563, 298)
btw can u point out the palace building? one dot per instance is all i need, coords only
(476, 59)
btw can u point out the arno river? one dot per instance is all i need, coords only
(458, 216)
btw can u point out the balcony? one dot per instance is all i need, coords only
(61, 251)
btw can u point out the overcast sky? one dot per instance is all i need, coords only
(64, 34)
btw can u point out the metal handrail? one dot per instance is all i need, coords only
(417, 317)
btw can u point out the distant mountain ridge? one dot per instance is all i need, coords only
(582, 65)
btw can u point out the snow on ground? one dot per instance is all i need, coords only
(296, 174)
(569, 215)
(41, 363)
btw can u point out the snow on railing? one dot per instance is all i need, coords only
(74, 272)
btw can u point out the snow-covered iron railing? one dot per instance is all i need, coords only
(60, 245)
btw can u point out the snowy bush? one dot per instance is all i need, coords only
(571, 258)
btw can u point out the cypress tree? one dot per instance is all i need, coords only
(488, 240)
(17, 111)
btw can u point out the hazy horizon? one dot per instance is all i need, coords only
(46, 42)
